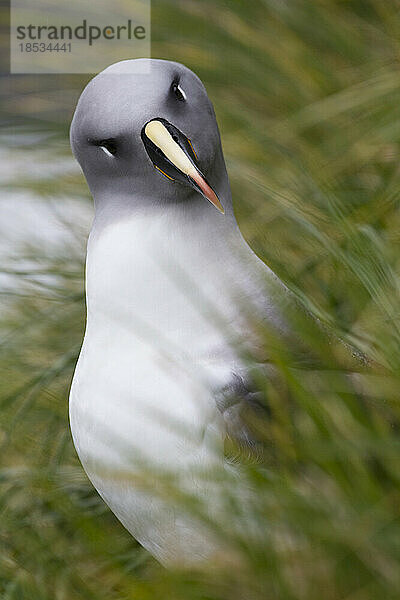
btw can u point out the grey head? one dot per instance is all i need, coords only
(145, 133)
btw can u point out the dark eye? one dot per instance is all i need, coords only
(178, 91)
(109, 146)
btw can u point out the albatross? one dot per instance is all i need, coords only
(170, 283)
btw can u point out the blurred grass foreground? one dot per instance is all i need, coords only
(307, 95)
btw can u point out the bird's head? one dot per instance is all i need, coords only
(147, 129)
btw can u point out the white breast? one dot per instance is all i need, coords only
(163, 302)
(142, 395)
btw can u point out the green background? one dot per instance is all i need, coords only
(307, 96)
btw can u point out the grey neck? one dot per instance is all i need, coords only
(189, 209)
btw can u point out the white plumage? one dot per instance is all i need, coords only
(169, 280)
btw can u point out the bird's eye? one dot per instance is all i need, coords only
(109, 146)
(179, 92)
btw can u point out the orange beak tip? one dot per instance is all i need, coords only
(207, 191)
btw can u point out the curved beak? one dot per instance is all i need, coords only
(172, 153)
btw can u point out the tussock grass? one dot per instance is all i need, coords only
(307, 96)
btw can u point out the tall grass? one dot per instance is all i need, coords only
(307, 96)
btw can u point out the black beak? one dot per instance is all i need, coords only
(172, 153)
